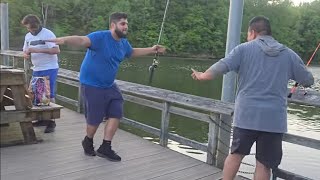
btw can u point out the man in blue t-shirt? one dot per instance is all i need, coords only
(264, 67)
(102, 97)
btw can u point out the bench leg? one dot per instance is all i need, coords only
(28, 133)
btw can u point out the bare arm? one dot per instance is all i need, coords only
(229, 63)
(77, 41)
(215, 70)
(142, 51)
(145, 51)
(54, 50)
(202, 76)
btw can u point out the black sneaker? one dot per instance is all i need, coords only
(88, 147)
(40, 123)
(108, 153)
(50, 127)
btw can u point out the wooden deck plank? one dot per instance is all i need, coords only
(62, 163)
(60, 156)
(120, 170)
(195, 172)
(52, 157)
(163, 166)
(81, 163)
(217, 176)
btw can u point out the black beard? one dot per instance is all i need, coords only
(120, 34)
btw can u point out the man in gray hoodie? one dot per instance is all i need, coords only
(264, 67)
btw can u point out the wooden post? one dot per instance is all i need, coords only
(27, 70)
(28, 133)
(213, 139)
(4, 31)
(164, 124)
(224, 135)
(14, 62)
(80, 108)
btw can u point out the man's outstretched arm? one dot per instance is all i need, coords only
(77, 41)
(215, 70)
(54, 50)
(146, 51)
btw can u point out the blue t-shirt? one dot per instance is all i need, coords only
(101, 62)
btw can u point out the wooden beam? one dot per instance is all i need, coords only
(303, 141)
(213, 140)
(165, 117)
(14, 116)
(12, 53)
(144, 127)
(283, 174)
(67, 100)
(11, 79)
(2, 90)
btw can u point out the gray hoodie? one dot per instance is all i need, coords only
(264, 67)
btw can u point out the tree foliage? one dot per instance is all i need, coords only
(192, 28)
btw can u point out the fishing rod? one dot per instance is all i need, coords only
(293, 89)
(155, 61)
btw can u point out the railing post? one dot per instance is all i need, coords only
(223, 144)
(80, 108)
(213, 139)
(27, 70)
(14, 62)
(164, 124)
(4, 31)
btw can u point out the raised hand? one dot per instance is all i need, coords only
(196, 75)
(159, 48)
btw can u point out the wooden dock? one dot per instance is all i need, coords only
(168, 102)
(60, 156)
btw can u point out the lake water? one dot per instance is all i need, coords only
(174, 74)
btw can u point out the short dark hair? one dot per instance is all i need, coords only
(261, 25)
(116, 16)
(32, 20)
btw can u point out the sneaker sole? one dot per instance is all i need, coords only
(89, 154)
(106, 157)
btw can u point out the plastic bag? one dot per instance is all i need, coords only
(39, 89)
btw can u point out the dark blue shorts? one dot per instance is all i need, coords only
(268, 145)
(100, 103)
(52, 73)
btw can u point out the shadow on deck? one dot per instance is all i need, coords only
(60, 156)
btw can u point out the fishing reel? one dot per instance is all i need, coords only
(154, 64)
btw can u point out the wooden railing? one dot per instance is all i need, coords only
(194, 107)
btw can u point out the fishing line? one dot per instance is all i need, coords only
(155, 61)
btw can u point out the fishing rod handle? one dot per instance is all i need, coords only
(293, 89)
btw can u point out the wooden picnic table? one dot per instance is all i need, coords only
(16, 105)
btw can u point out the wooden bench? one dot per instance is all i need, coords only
(11, 115)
